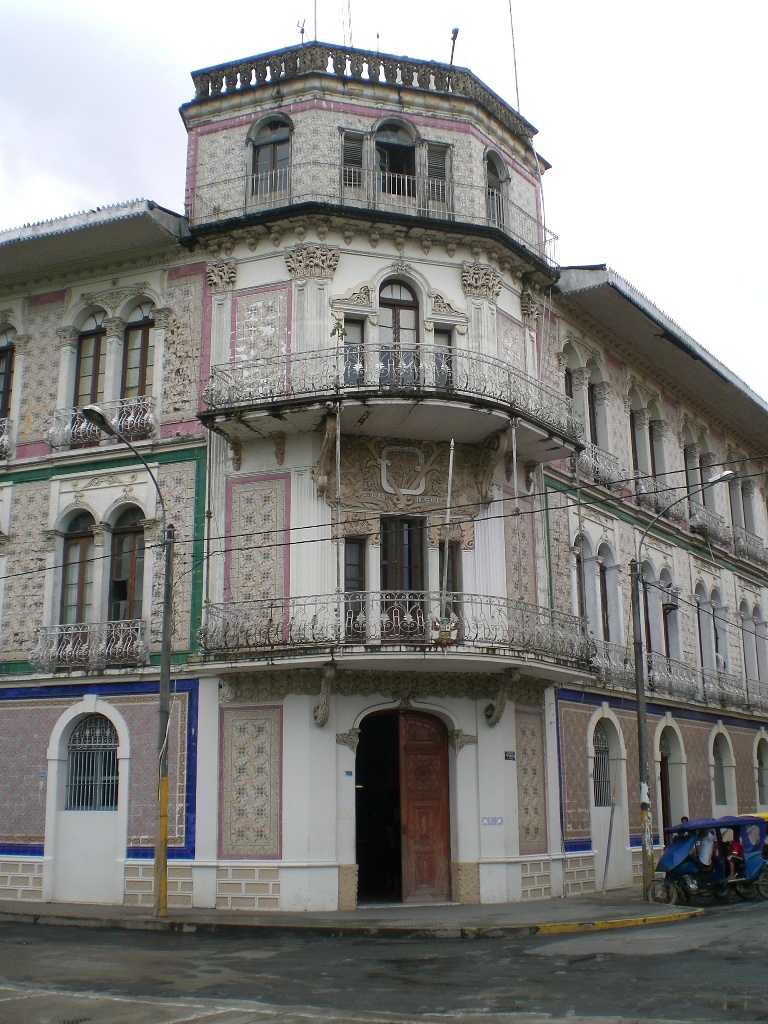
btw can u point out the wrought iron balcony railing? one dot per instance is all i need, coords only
(708, 523)
(6, 440)
(426, 371)
(134, 418)
(603, 467)
(749, 545)
(413, 195)
(90, 645)
(397, 618)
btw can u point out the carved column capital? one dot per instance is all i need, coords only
(480, 280)
(530, 307)
(162, 317)
(114, 327)
(67, 337)
(580, 377)
(222, 274)
(348, 739)
(602, 391)
(312, 260)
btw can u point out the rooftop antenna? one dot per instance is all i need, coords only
(315, 20)
(514, 56)
(300, 27)
(377, 42)
(453, 42)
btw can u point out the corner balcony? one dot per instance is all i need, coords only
(6, 439)
(133, 418)
(707, 523)
(374, 624)
(603, 467)
(392, 393)
(349, 189)
(91, 646)
(749, 545)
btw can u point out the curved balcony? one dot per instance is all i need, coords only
(387, 620)
(404, 390)
(707, 523)
(133, 418)
(603, 467)
(749, 545)
(90, 645)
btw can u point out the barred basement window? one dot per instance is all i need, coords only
(762, 773)
(602, 767)
(92, 766)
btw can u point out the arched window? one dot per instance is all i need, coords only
(719, 632)
(77, 583)
(126, 582)
(91, 362)
(601, 768)
(398, 336)
(721, 757)
(7, 354)
(670, 616)
(762, 773)
(92, 770)
(396, 159)
(271, 161)
(608, 590)
(139, 352)
(494, 196)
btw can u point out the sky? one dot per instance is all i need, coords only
(651, 114)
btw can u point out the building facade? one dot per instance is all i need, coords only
(408, 459)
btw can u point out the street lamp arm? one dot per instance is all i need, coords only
(95, 415)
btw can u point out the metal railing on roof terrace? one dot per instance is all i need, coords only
(364, 370)
(403, 618)
(412, 195)
(340, 62)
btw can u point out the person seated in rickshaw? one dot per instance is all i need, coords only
(735, 857)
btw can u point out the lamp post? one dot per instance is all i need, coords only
(636, 569)
(95, 416)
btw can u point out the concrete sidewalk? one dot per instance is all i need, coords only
(621, 908)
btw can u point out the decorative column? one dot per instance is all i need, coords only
(531, 309)
(67, 338)
(113, 374)
(311, 266)
(482, 286)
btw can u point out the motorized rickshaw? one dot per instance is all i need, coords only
(697, 860)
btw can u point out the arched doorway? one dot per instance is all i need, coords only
(401, 788)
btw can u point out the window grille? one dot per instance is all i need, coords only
(92, 766)
(602, 767)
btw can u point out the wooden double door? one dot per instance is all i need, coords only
(403, 835)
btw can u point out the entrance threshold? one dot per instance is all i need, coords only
(399, 905)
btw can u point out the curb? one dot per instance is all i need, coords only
(393, 931)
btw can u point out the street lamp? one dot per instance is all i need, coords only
(93, 414)
(636, 568)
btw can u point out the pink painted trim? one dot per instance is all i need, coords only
(186, 270)
(43, 298)
(244, 292)
(179, 428)
(614, 360)
(233, 482)
(31, 449)
(281, 716)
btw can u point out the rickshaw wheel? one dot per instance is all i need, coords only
(761, 884)
(662, 891)
(745, 890)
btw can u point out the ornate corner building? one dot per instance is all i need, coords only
(408, 459)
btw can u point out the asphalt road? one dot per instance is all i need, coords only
(708, 969)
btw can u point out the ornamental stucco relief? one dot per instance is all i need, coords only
(312, 260)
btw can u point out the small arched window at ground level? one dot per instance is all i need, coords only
(92, 770)
(720, 754)
(601, 769)
(762, 773)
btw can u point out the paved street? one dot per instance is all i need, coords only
(710, 968)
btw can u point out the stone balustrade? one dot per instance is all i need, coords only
(364, 370)
(393, 619)
(266, 70)
(133, 418)
(91, 645)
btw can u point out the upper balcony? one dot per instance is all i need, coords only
(457, 201)
(132, 418)
(6, 438)
(403, 392)
(91, 646)
(378, 624)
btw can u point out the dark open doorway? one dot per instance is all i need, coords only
(403, 838)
